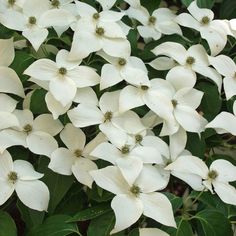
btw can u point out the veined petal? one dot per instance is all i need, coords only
(158, 207)
(10, 82)
(111, 179)
(81, 169)
(7, 52)
(41, 143)
(85, 115)
(34, 194)
(61, 161)
(132, 209)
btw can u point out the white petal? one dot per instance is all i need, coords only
(229, 87)
(61, 161)
(86, 95)
(63, 90)
(6, 191)
(7, 52)
(181, 77)
(34, 194)
(226, 171)
(152, 232)
(6, 164)
(106, 4)
(111, 179)
(162, 63)
(128, 210)
(74, 138)
(8, 120)
(81, 170)
(140, 13)
(29, 8)
(187, 20)
(10, 82)
(7, 103)
(149, 32)
(24, 117)
(25, 170)
(41, 143)
(226, 192)
(47, 124)
(223, 123)
(158, 207)
(109, 101)
(42, 69)
(85, 115)
(35, 36)
(84, 10)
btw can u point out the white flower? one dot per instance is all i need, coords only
(76, 157)
(64, 76)
(36, 134)
(201, 19)
(133, 200)
(9, 80)
(195, 59)
(96, 31)
(152, 232)
(224, 122)
(226, 67)
(217, 177)
(107, 4)
(153, 26)
(10, 4)
(21, 177)
(130, 69)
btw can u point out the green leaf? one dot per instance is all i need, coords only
(201, 3)
(183, 228)
(213, 223)
(102, 226)
(55, 226)
(37, 102)
(7, 225)
(228, 9)
(176, 202)
(150, 5)
(31, 217)
(196, 145)
(91, 212)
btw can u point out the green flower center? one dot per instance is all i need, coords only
(190, 60)
(108, 116)
(11, 2)
(32, 20)
(55, 3)
(62, 71)
(152, 20)
(96, 16)
(174, 102)
(138, 138)
(125, 149)
(78, 153)
(12, 177)
(144, 87)
(212, 174)
(135, 190)
(100, 31)
(27, 128)
(122, 62)
(205, 20)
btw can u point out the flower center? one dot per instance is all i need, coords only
(11, 2)
(190, 60)
(205, 20)
(96, 16)
(78, 153)
(100, 31)
(125, 149)
(55, 3)
(32, 20)
(174, 102)
(212, 174)
(135, 190)
(12, 177)
(152, 20)
(138, 138)
(62, 71)
(27, 128)
(122, 62)
(107, 116)
(144, 87)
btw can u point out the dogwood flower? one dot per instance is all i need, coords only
(130, 69)
(96, 31)
(201, 19)
(217, 177)
(133, 200)
(21, 177)
(75, 158)
(153, 26)
(64, 76)
(9, 80)
(36, 134)
(107, 4)
(226, 67)
(195, 59)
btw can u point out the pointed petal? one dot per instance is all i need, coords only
(187, 20)
(86, 95)
(229, 87)
(6, 51)
(6, 191)
(163, 63)
(6, 164)
(109, 101)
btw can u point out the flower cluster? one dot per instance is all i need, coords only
(108, 120)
